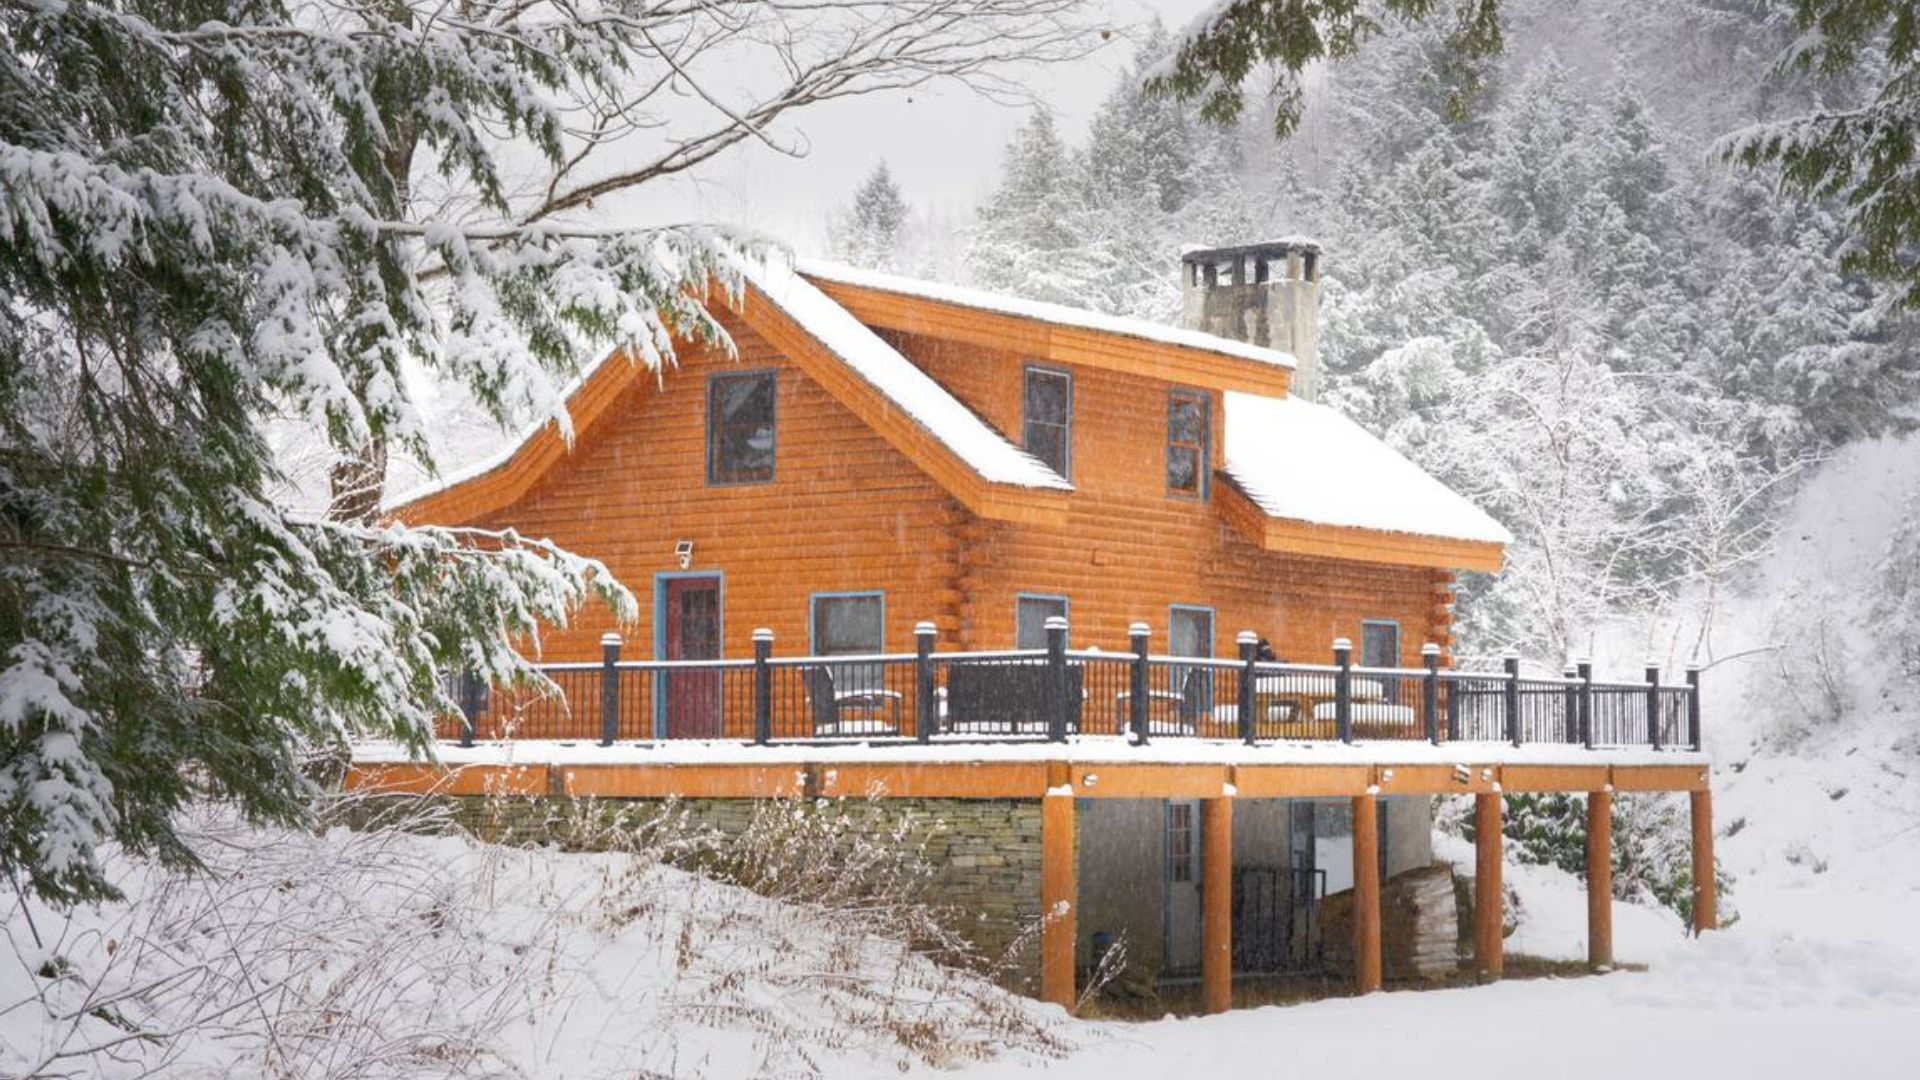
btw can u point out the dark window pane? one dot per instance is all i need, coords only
(1191, 632)
(1047, 397)
(1030, 618)
(1186, 418)
(1049, 444)
(1380, 644)
(1183, 468)
(1047, 429)
(1188, 441)
(846, 624)
(740, 428)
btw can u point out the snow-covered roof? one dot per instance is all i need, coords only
(912, 390)
(1056, 314)
(1302, 461)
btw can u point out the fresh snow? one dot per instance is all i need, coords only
(916, 393)
(1302, 461)
(1040, 311)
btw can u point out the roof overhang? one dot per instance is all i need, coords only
(494, 487)
(1042, 339)
(1350, 543)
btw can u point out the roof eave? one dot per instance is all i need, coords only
(1043, 340)
(1353, 543)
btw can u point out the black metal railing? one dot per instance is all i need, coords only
(1058, 692)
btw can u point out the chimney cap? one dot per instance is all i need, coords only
(1283, 246)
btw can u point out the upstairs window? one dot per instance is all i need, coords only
(740, 428)
(1189, 437)
(1048, 412)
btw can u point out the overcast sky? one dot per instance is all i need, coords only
(943, 145)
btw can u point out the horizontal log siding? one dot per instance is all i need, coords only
(1129, 550)
(845, 513)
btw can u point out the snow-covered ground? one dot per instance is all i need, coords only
(1819, 828)
(388, 955)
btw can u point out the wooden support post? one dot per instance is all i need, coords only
(1058, 900)
(1600, 879)
(1366, 894)
(1706, 911)
(1216, 899)
(1488, 894)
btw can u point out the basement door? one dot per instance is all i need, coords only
(692, 632)
(1183, 857)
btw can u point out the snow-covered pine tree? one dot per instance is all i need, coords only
(216, 214)
(1029, 237)
(871, 230)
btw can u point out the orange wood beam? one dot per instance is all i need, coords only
(407, 778)
(1366, 894)
(1437, 779)
(1160, 781)
(1706, 892)
(1549, 778)
(959, 780)
(686, 781)
(1300, 781)
(1059, 889)
(1600, 879)
(1659, 778)
(1216, 898)
(1489, 942)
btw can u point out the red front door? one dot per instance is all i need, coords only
(692, 633)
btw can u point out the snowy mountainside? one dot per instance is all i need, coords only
(1813, 724)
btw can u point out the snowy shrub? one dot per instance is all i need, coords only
(1652, 842)
(389, 951)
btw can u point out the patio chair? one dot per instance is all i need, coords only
(846, 713)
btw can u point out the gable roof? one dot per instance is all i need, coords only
(1051, 331)
(919, 417)
(1320, 484)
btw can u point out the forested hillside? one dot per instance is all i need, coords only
(1564, 302)
(1568, 304)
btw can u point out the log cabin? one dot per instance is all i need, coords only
(874, 464)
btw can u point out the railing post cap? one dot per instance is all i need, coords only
(1056, 622)
(925, 628)
(1430, 649)
(1694, 667)
(1653, 663)
(1247, 637)
(1509, 653)
(762, 634)
(1341, 643)
(1139, 628)
(609, 638)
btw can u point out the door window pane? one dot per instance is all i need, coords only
(1048, 416)
(740, 428)
(1030, 619)
(1188, 438)
(1379, 644)
(1190, 633)
(1180, 841)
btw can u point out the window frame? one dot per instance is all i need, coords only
(1066, 612)
(1204, 467)
(1027, 372)
(1392, 624)
(772, 375)
(813, 619)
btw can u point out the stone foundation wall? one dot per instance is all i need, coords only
(983, 854)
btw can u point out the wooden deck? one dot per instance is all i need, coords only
(1058, 775)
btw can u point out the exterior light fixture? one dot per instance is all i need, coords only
(683, 550)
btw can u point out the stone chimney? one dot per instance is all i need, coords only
(1263, 294)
